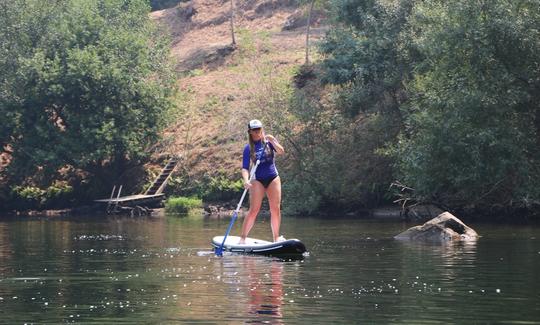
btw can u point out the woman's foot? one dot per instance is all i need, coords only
(242, 241)
(280, 238)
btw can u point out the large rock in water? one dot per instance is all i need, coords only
(443, 228)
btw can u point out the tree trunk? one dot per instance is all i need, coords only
(307, 30)
(232, 23)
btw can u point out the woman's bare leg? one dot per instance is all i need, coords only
(256, 195)
(273, 192)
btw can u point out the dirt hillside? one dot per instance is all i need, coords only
(223, 86)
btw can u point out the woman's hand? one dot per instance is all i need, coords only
(247, 185)
(279, 148)
(245, 179)
(271, 139)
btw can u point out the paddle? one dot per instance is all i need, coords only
(219, 250)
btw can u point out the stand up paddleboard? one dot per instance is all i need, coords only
(290, 247)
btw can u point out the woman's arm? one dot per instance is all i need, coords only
(279, 148)
(245, 167)
(245, 177)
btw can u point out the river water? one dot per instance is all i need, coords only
(104, 270)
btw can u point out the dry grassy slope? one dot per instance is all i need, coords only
(222, 94)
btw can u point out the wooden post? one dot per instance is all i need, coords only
(117, 197)
(110, 199)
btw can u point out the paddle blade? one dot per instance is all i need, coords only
(219, 251)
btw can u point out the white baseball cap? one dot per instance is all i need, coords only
(254, 124)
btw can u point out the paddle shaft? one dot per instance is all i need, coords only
(219, 250)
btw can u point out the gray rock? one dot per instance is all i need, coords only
(186, 11)
(296, 20)
(210, 56)
(444, 228)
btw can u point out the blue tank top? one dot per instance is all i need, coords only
(267, 167)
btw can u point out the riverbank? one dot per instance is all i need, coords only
(216, 210)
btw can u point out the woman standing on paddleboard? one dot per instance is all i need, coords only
(266, 180)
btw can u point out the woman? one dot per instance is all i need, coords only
(266, 180)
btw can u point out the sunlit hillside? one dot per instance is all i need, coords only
(223, 86)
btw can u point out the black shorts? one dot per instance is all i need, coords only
(266, 181)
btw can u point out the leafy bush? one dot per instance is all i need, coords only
(338, 164)
(222, 188)
(208, 187)
(27, 197)
(31, 197)
(182, 205)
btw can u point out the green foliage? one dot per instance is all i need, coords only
(221, 187)
(84, 84)
(473, 123)
(337, 154)
(218, 187)
(456, 85)
(182, 205)
(32, 197)
(363, 54)
(247, 43)
(29, 197)
(332, 164)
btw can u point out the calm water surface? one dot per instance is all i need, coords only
(160, 270)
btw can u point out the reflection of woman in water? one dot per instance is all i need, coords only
(265, 289)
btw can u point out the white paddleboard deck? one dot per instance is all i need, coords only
(289, 247)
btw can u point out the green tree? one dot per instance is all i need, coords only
(349, 123)
(362, 54)
(473, 123)
(84, 84)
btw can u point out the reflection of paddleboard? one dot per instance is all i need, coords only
(289, 247)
